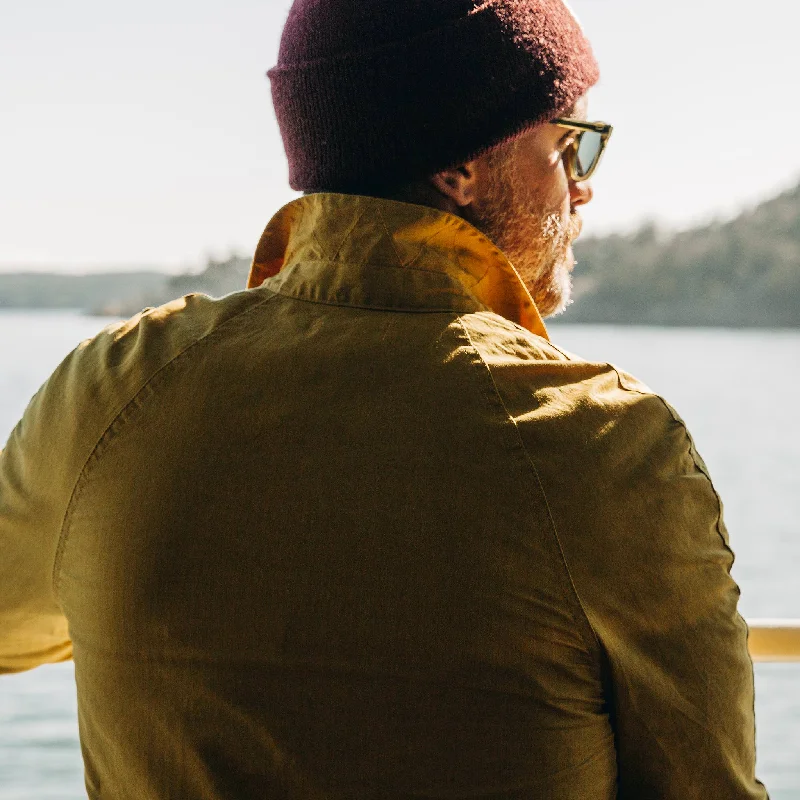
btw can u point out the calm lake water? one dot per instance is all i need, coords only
(737, 390)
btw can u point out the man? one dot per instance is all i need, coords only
(363, 531)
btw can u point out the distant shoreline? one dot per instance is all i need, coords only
(552, 325)
(743, 274)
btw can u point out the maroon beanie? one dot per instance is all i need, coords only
(376, 92)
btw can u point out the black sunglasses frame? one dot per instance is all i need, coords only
(602, 128)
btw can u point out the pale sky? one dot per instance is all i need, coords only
(143, 133)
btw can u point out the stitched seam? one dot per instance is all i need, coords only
(346, 236)
(539, 484)
(484, 276)
(692, 448)
(390, 237)
(457, 254)
(80, 482)
(372, 265)
(567, 356)
(693, 453)
(383, 309)
(319, 244)
(545, 342)
(422, 248)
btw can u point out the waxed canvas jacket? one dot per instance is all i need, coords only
(364, 531)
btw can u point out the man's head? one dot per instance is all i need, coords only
(446, 103)
(522, 196)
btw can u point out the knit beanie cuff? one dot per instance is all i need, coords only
(407, 108)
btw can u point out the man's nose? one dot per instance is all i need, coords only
(580, 193)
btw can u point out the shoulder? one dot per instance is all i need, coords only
(629, 497)
(537, 375)
(583, 423)
(122, 358)
(495, 337)
(156, 336)
(102, 375)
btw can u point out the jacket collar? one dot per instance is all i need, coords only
(374, 253)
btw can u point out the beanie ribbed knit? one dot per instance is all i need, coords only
(368, 92)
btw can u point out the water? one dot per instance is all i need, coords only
(737, 391)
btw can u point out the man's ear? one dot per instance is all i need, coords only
(458, 184)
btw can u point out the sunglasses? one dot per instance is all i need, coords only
(585, 152)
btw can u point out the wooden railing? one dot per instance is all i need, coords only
(774, 639)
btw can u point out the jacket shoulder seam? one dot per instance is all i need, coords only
(701, 467)
(539, 484)
(109, 431)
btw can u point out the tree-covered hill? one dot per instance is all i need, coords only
(742, 273)
(745, 272)
(61, 290)
(218, 278)
(119, 294)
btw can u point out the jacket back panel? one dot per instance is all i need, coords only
(309, 558)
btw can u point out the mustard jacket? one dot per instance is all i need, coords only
(362, 531)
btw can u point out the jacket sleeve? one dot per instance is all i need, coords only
(640, 526)
(33, 499)
(46, 455)
(39, 470)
